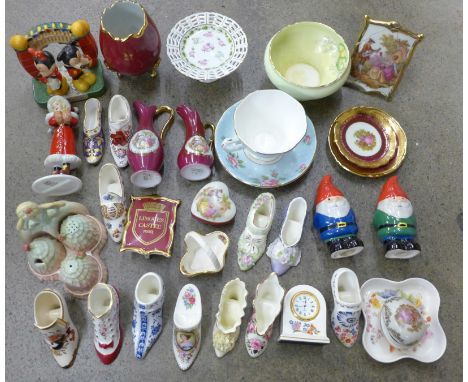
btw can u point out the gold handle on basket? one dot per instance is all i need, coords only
(165, 109)
(212, 127)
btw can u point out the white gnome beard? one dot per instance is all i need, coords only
(398, 207)
(334, 206)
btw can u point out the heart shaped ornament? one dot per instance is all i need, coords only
(212, 204)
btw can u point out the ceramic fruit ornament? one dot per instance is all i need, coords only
(266, 307)
(53, 321)
(104, 309)
(395, 222)
(335, 221)
(129, 39)
(213, 205)
(252, 242)
(205, 254)
(62, 158)
(186, 334)
(112, 201)
(93, 137)
(195, 158)
(145, 151)
(147, 313)
(284, 251)
(304, 316)
(120, 129)
(347, 310)
(229, 317)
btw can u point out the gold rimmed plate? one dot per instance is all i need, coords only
(366, 136)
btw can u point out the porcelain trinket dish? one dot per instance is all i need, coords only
(307, 60)
(205, 254)
(213, 205)
(414, 304)
(206, 46)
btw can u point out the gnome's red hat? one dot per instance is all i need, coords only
(391, 188)
(326, 189)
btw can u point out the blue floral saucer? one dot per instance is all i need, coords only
(289, 168)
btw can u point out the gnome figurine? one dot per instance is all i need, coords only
(335, 221)
(395, 222)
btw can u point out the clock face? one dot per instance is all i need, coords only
(305, 306)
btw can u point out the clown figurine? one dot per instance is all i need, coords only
(395, 222)
(75, 61)
(49, 74)
(62, 158)
(335, 221)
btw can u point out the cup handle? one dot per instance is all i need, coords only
(232, 144)
(210, 126)
(165, 109)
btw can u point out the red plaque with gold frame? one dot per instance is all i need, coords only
(150, 225)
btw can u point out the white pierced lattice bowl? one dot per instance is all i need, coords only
(206, 46)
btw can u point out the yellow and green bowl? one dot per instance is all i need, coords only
(313, 46)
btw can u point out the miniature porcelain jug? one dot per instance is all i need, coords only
(145, 151)
(129, 40)
(196, 158)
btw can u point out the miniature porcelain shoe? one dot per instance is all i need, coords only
(252, 242)
(103, 305)
(120, 126)
(229, 317)
(112, 199)
(284, 252)
(147, 313)
(52, 319)
(347, 297)
(93, 137)
(186, 337)
(267, 306)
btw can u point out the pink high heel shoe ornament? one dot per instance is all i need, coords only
(145, 151)
(196, 158)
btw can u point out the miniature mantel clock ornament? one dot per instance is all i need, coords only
(213, 205)
(395, 222)
(195, 158)
(335, 221)
(63, 242)
(304, 316)
(145, 150)
(79, 74)
(62, 159)
(150, 226)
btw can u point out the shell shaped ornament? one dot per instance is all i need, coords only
(44, 257)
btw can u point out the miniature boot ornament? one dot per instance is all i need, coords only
(93, 138)
(120, 128)
(103, 305)
(52, 319)
(347, 310)
(213, 205)
(145, 151)
(186, 336)
(266, 307)
(62, 158)
(147, 313)
(395, 222)
(252, 242)
(229, 317)
(335, 221)
(112, 199)
(205, 254)
(196, 158)
(284, 251)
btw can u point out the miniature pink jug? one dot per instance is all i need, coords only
(196, 158)
(145, 151)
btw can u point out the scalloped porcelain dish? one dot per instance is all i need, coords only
(425, 297)
(206, 46)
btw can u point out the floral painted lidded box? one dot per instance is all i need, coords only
(150, 225)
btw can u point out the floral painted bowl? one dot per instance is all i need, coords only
(307, 60)
(212, 204)
(424, 297)
(206, 46)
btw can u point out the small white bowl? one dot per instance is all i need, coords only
(206, 46)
